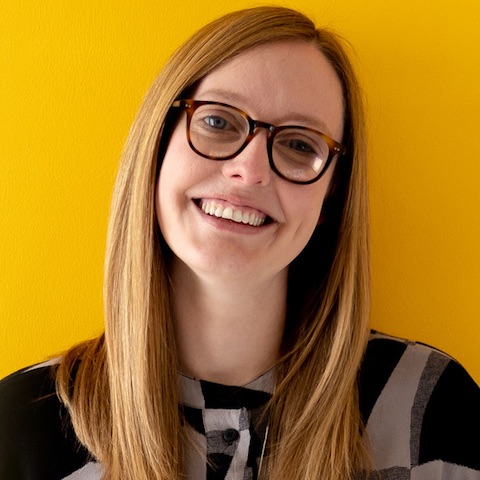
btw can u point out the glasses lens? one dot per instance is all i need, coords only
(218, 131)
(299, 154)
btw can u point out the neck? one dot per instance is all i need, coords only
(228, 332)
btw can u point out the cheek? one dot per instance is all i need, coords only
(160, 206)
(169, 182)
(181, 170)
(177, 164)
(181, 166)
(175, 150)
(308, 202)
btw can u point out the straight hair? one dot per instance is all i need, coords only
(121, 389)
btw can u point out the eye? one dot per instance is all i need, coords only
(300, 146)
(216, 121)
(219, 124)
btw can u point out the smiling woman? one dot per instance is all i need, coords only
(237, 341)
(247, 183)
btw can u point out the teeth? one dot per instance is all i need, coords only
(229, 213)
(237, 216)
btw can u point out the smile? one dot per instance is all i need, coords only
(234, 214)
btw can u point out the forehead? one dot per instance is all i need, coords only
(280, 82)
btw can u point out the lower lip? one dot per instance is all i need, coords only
(231, 226)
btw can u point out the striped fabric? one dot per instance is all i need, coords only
(422, 412)
(421, 409)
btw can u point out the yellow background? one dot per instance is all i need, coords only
(72, 75)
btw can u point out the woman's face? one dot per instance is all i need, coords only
(283, 83)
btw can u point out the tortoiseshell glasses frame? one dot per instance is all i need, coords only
(219, 131)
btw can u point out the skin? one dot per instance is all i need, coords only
(229, 278)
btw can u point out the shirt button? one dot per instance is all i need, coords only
(230, 435)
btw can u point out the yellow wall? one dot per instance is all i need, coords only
(72, 75)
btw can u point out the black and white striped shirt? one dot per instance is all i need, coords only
(421, 408)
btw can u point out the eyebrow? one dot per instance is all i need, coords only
(229, 96)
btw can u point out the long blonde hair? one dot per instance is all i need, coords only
(121, 388)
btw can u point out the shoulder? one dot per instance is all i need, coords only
(422, 409)
(36, 438)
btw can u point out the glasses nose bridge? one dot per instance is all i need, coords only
(256, 124)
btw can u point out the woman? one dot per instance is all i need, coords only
(237, 292)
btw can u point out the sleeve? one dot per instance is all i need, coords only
(422, 413)
(451, 424)
(37, 441)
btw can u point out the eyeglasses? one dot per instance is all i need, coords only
(218, 131)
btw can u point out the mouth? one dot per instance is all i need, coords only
(243, 215)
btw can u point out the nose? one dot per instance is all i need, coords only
(251, 166)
